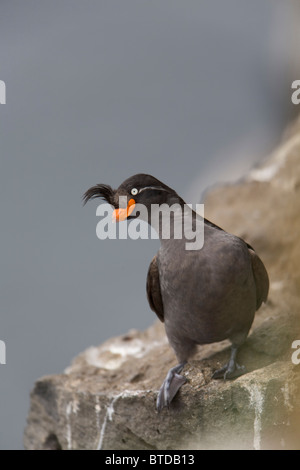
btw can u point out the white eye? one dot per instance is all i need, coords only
(134, 191)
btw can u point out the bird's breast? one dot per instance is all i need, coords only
(207, 294)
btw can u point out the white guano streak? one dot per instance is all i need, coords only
(256, 402)
(110, 410)
(108, 415)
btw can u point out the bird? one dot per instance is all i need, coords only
(202, 296)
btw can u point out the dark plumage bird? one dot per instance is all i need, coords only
(203, 296)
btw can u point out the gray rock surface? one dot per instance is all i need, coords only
(106, 398)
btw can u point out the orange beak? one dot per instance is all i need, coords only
(122, 214)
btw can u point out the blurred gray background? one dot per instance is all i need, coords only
(193, 92)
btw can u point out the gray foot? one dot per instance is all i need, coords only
(230, 370)
(170, 387)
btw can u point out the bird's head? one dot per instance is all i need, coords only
(138, 189)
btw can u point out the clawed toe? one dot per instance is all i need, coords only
(170, 387)
(228, 372)
(168, 391)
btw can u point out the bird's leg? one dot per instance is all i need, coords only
(232, 369)
(170, 386)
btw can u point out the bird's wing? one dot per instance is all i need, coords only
(261, 278)
(259, 271)
(153, 290)
(211, 224)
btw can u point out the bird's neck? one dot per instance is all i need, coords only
(177, 221)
